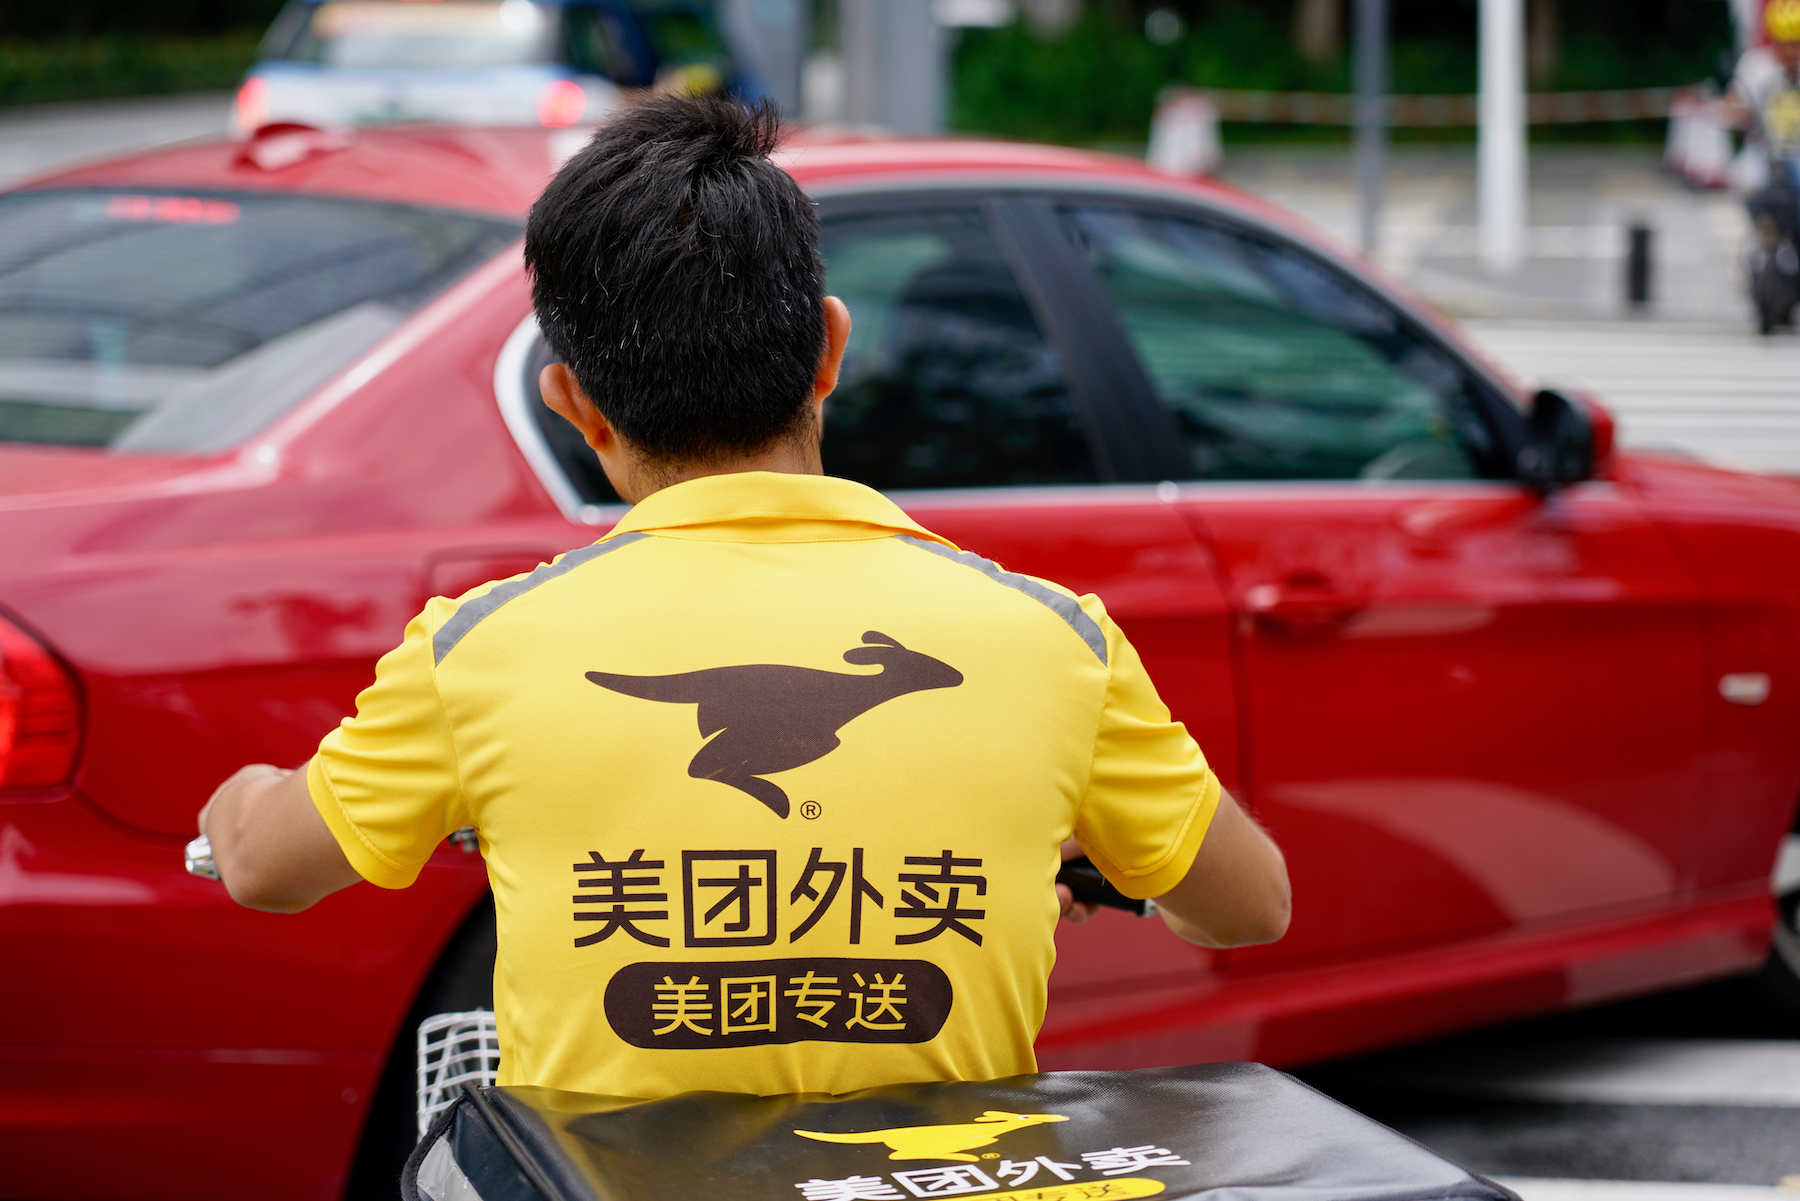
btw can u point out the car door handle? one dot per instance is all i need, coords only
(1302, 605)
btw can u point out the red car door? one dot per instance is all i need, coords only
(1472, 707)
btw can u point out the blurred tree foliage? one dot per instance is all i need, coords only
(81, 49)
(55, 20)
(33, 72)
(1098, 82)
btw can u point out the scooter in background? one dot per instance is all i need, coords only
(1774, 253)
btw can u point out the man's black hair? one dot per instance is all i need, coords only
(676, 271)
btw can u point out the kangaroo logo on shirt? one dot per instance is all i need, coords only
(772, 718)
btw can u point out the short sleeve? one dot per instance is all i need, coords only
(385, 780)
(1150, 794)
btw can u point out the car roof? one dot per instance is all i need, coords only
(486, 170)
(502, 170)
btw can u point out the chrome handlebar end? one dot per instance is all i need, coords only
(199, 859)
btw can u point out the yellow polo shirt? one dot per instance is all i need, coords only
(770, 783)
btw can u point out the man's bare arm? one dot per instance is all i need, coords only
(1236, 893)
(273, 850)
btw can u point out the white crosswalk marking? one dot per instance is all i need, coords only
(1720, 393)
(1764, 1073)
(1758, 1073)
(1532, 1188)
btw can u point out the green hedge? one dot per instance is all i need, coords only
(121, 65)
(54, 20)
(1097, 84)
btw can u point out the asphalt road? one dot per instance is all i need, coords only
(1693, 1096)
(1688, 1096)
(40, 138)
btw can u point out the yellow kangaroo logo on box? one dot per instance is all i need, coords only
(941, 1142)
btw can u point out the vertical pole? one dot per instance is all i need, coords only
(896, 60)
(1746, 19)
(917, 53)
(771, 38)
(1637, 265)
(1371, 117)
(790, 28)
(860, 44)
(1500, 140)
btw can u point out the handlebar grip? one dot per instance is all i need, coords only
(1085, 881)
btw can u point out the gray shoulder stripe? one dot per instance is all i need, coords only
(1065, 607)
(474, 611)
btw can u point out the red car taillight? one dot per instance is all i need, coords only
(251, 109)
(560, 103)
(40, 714)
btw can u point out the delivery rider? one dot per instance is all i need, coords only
(771, 780)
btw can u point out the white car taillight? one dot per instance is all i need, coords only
(40, 715)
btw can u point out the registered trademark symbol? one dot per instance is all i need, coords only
(810, 810)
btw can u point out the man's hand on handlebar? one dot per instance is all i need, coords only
(271, 848)
(1073, 911)
(1235, 893)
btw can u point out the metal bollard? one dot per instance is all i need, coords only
(1637, 266)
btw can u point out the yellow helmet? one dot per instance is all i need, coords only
(1782, 18)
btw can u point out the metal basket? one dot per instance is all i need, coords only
(454, 1048)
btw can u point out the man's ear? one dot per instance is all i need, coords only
(837, 336)
(563, 394)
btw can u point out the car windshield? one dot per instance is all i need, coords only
(443, 33)
(180, 322)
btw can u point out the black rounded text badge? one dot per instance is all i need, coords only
(751, 1003)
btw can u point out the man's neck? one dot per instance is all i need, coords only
(787, 457)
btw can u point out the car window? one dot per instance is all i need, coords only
(394, 34)
(948, 381)
(1277, 366)
(580, 467)
(155, 321)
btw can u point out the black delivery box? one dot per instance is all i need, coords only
(1222, 1131)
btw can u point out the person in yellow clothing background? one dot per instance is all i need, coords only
(1764, 97)
(772, 782)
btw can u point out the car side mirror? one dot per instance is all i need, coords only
(1561, 446)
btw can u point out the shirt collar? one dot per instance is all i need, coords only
(770, 506)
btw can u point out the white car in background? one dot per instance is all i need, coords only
(342, 63)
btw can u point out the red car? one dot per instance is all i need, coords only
(1522, 711)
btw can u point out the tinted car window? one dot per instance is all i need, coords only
(573, 455)
(947, 381)
(186, 323)
(1276, 366)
